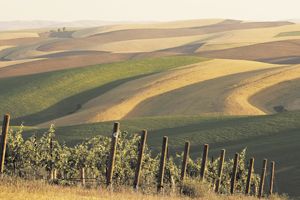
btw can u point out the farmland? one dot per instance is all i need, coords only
(232, 84)
(271, 137)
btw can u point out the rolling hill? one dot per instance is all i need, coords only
(226, 82)
(275, 137)
(52, 99)
(118, 102)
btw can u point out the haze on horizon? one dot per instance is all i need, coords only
(146, 10)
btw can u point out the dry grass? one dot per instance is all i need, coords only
(118, 102)
(15, 35)
(191, 98)
(15, 62)
(148, 45)
(5, 47)
(95, 41)
(28, 66)
(165, 25)
(239, 38)
(25, 51)
(29, 190)
(283, 94)
(263, 51)
(238, 101)
(252, 93)
(217, 41)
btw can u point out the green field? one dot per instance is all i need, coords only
(34, 99)
(286, 34)
(275, 137)
(253, 69)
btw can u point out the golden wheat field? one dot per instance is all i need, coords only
(17, 189)
(82, 75)
(36, 52)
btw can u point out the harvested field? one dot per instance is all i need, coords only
(60, 63)
(280, 97)
(63, 92)
(245, 37)
(163, 25)
(127, 96)
(151, 45)
(206, 98)
(4, 64)
(5, 47)
(21, 41)
(237, 103)
(95, 41)
(15, 35)
(270, 51)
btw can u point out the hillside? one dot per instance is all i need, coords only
(50, 94)
(45, 63)
(229, 83)
(37, 190)
(275, 137)
(127, 96)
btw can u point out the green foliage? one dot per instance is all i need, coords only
(286, 34)
(38, 157)
(194, 188)
(41, 97)
(211, 173)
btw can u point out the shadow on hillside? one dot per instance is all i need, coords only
(69, 105)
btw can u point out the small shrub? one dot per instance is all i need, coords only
(279, 197)
(35, 158)
(280, 109)
(194, 188)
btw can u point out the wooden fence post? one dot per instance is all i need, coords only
(50, 176)
(160, 184)
(82, 176)
(220, 170)
(272, 177)
(111, 163)
(185, 160)
(140, 159)
(249, 177)
(234, 172)
(171, 177)
(51, 161)
(55, 174)
(203, 163)
(5, 128)
(262, 179)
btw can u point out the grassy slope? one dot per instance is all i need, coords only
(15, 189)
(165, 25)
(119, 101)
(149, 45)
(286, 34)
(41, 97)
(284, 94)
(15, 62)
(239, 38)
(7, 35)
(275, 137)
(193, 102)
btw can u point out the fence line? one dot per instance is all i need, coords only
(220, 170)
(204, 159)
(249, 177)
(4, 133)
(160, 183)
(164, 154)
(140, 159)
(114, 140)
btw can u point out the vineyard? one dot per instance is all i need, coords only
(125, 159)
